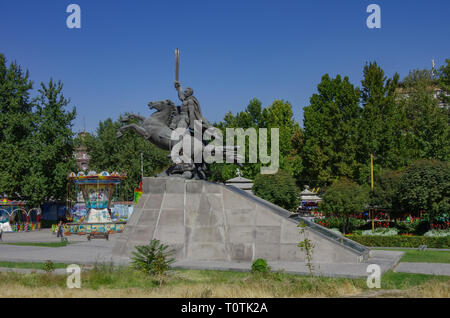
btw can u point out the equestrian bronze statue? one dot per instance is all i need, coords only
(159, 128)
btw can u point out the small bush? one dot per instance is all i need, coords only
(279, 188)
(417, 227)
(49, 266)
(402, 241)
(153, 259)
(260, 266)
(343, 199)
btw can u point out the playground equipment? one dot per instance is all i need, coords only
(14, 217)
(95, 215)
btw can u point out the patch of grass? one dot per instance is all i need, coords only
(29, 265)
(391, 280)
(32, 280)
(206, 283)
(108, 276)
(427, 256)
(42, 244)
(110, 281)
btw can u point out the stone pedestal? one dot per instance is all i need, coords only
(205, 221)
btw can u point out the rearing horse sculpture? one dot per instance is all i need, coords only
(156, 130)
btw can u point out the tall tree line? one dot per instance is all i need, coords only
(397, 122)
(36, 138)
(108, 153)
(277, 115)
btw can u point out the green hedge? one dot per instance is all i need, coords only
(401, 241)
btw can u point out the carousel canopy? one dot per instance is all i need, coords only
(6, 202)
(96, 178)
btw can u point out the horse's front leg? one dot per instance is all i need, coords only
(140, 130)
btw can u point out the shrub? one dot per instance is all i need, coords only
(153, 259)
(402, 241)
(385, 192)
(279, 188)
(260, 266)
(425, 185)
(49, 266)
(343, 199)
(307, 246)
(417, 227)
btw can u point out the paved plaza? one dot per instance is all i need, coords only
(83, 252)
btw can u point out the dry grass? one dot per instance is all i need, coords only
(203, 284)
(196, 291)
(432, 289)
(427, 290)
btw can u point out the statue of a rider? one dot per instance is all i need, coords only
(160, 126)
(189, 111)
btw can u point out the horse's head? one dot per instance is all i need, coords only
(161, 105)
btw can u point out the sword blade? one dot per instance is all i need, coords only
(177, 65)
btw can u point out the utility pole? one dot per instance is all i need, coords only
(142, 166)
(371, 187)
(371, 171)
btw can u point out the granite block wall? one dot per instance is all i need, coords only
(207, 221)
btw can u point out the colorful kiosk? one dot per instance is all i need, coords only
(95, 214)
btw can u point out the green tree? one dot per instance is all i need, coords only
(279, 188)
(444, 82)
(278, 115)
(52, 148)
(381, 124)
(425, 186)
(386, 190)
(330, 132)
(124, 155)
(16, 128)
(344, 198)
(427, 131)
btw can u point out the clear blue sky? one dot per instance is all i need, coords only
(231, 51)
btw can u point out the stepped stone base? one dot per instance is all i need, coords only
(205, 221)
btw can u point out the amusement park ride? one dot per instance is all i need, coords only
(14, 217)
(95, 214)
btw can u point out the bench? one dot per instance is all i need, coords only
(96, 235)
